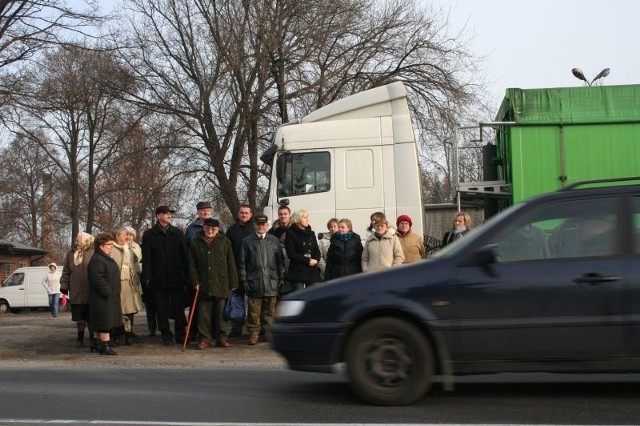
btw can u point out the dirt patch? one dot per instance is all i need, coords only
(35, 338)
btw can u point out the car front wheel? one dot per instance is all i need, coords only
(4, 307)
(389, 362)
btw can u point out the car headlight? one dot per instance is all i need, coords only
(290, 308)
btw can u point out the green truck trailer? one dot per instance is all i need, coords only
(547, 139)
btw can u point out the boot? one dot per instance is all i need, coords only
(106, 349)
(127, 338)
(80, 339)
(95, 345)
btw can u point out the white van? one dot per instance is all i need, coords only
(24, 290)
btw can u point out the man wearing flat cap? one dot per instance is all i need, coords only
(165, 271)
(213, 271)
(205, 211)
(261, 273)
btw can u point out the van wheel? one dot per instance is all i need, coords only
(4, 307)
(389, 362)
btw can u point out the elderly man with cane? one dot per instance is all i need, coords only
(214, 276)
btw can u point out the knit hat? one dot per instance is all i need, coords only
(404, 218)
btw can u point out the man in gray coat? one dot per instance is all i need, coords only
(261, 273)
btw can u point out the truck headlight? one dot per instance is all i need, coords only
(290, 308)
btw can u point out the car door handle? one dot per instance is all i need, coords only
(596, 278)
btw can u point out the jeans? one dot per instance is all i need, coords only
(54, 304)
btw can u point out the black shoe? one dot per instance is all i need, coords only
(95, 345)
(167, 341)
(152, 334)
(106, 349)
(79, 344)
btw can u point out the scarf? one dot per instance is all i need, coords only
(345, 237)
(86, 241)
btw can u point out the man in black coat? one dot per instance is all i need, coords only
(236, 233)
(165, 269)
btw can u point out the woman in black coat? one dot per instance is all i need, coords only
(344, 256)
(104, 294)
(303, 252)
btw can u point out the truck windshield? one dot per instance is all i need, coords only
(304, 173)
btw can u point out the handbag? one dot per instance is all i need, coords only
(234, 309)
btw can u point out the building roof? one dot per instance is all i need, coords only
(17, 248)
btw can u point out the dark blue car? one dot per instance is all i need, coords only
(549, 285)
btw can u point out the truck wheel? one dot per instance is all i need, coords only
(389, 362)
(4, 307)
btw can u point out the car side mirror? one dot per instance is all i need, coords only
(484, 257)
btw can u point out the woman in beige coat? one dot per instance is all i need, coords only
(130, 292)
(381, 249)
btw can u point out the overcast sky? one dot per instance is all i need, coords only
(535, 43)
(532, 44)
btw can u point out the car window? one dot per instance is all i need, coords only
(14, 280)
(560, 229)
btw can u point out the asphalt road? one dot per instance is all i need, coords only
(44, 378)
(278, 396)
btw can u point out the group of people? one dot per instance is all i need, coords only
(110, 276)
(101, 275)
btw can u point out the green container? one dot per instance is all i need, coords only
(565, 135)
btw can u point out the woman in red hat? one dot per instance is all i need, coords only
(412, 244)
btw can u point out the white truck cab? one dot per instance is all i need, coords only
(349, 159)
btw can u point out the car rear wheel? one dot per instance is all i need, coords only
(389, 362)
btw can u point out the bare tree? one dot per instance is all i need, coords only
(231, 71)
(29, 27)
(22, 193)
(72, 98)
(143, 174)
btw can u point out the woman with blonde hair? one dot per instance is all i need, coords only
(461, 225)
(303, 252)
(344, 256)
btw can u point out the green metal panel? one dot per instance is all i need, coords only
(535, 161)
(602, 151)
(563, 135)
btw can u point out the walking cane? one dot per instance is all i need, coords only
(191, 311)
